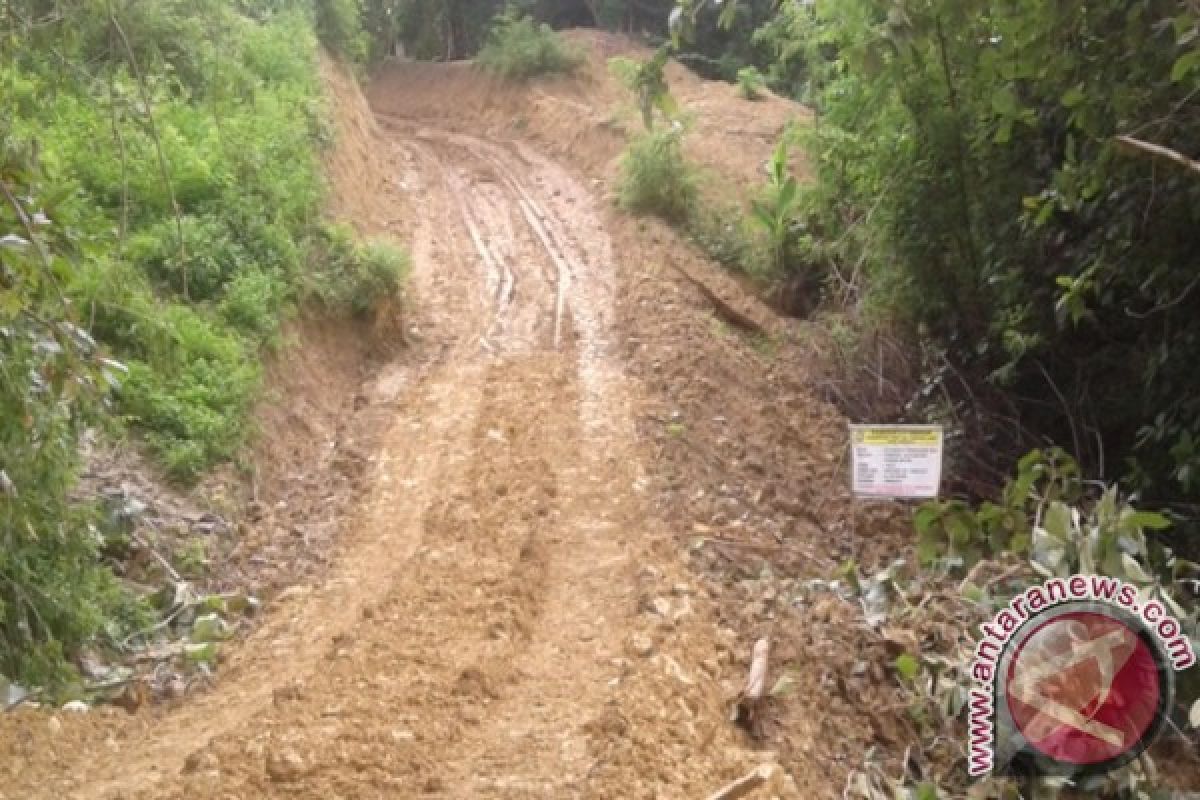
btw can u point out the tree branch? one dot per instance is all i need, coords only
(1158, 151)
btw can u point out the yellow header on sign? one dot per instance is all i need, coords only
(893, 436)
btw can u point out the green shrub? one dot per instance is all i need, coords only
(239, 119)
(55, 595)
(750, 83)
(775, 212)
(648, 80)
(518, 48)
(209, 257)
(380, 270)
(340, 27)
(656, 178)
(191, 394)
(252, 302)
(356, 277)
(1008, 226)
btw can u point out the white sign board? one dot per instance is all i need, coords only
(896, 460)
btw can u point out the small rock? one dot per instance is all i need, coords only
(662, 607)
(293, 592)
(399, 735)
(642, 645)
(200, 761)
(681, 590)
(285, 765)
(76, 707)
(648, 573)
(683, 612)
(55, 725)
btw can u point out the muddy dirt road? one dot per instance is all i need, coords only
(498, 621)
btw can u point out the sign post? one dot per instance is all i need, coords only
(896, 461)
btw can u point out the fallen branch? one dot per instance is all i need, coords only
(745, 785)
(1159, 151)
(727, 312)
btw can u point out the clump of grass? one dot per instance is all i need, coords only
(657, 179)
(357, 277)
(518, 48)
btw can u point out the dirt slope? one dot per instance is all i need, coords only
(514, 609)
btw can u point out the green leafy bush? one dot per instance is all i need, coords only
(190, 389)
(380, 271)
(648, 80)
(356, 276)
(657, 179)
(974, 154)
(518, 48)
(238, 119)
(751, 83)
(775, 212)
(252, 301)
(54, 593)
(339, 25)
(199, 266)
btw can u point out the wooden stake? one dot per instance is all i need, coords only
(745, 708)
(756, 683)
(745, 785)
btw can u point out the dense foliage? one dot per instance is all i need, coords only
(973, 147)
(519, 48)
(161, 192)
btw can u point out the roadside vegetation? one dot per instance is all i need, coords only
(160, 218)
(518, 48)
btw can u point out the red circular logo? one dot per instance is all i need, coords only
(1083, 688)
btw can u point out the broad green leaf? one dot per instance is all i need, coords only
(927, 791)
(1137, 520)
(907, 666)
(928, 550)
(1184, 66)
(763, 216)
(1004, 101)
(787, 195)
(1004, 132)
(1073, 97)
(1133, 570)
(958, 529)
(1057, 522)
(200, 653)
(925, 516)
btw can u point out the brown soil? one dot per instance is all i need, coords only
(566, 512)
